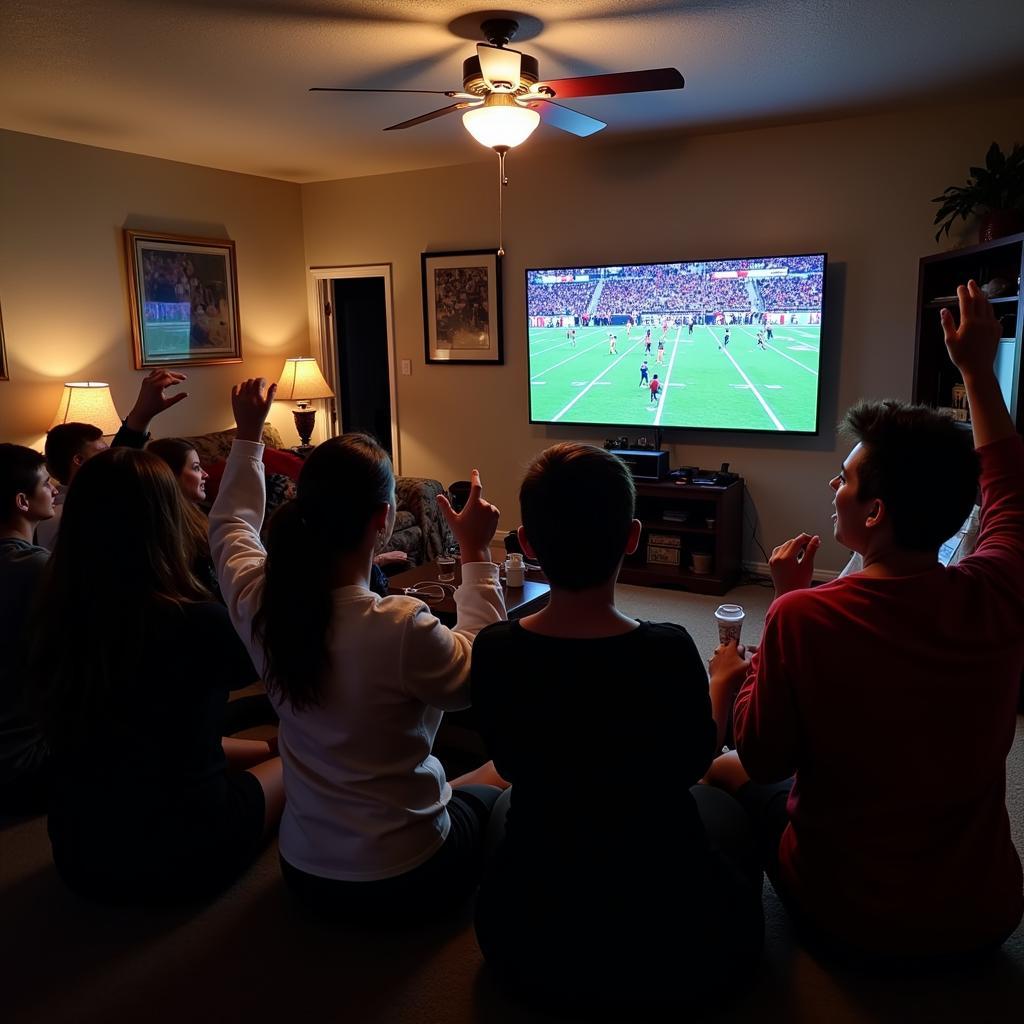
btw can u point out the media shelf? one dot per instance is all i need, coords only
(934, 375)
(658, 507)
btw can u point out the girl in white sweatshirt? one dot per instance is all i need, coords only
(371, 826)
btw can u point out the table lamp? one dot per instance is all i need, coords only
(301, 381)
(88, 401)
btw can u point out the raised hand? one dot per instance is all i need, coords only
(474, 526)
(152, 400)
(792, 563)
(251, 401)
(972, 345)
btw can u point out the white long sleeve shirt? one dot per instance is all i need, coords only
(365, 798)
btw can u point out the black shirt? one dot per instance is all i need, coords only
(598, 737)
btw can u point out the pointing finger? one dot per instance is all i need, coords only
(475, 488)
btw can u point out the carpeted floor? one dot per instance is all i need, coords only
(250, 956)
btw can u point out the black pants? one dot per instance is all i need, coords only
(565, 935)
(429, 890)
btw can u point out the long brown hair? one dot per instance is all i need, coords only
(175, 452)
(342, 484)
(118, 559)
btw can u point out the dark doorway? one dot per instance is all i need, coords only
(361, 335)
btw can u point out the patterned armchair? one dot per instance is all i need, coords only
(421, 531)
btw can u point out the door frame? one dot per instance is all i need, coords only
(323, 339)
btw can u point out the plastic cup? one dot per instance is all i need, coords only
(446, 569)
(730, 622)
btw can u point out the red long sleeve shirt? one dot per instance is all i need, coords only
(893, 701)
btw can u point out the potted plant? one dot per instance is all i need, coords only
(997, 190)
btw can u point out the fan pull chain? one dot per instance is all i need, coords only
(502, 181)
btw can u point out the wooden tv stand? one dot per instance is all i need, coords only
(658, 507)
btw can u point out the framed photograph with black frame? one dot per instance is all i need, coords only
(184, 300)
(4, 375)
(462, 307)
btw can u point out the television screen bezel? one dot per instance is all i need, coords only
(666, 427)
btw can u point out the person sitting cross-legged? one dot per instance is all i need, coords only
(617, 879)
(373, 830)
(130, 668)
(889, 695)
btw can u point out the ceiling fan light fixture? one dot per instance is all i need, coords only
(500, 122)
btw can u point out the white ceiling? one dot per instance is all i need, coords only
(223, 83)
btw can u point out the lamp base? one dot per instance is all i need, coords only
(305, 420)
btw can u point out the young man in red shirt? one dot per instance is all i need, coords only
(886, 699)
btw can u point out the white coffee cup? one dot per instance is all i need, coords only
(730, 622)
(515, 574)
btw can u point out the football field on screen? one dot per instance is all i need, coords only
(738, 387)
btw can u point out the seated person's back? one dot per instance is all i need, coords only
(602, 724)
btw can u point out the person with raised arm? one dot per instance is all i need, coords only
(69, 445)
(885, 700)
(372, 828)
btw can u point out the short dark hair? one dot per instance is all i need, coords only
(19, 474)
(920, 463)
(63, 443)
(577, 503)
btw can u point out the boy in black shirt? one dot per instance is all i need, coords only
(605, 846)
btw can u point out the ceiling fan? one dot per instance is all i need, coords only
(504, 99)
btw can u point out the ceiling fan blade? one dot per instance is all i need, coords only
(654, 80)
(428, 117)
(425, 92)
(567, 119)
(500, 67)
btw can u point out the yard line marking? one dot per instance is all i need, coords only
(539, 348)
(783, 354)
(575, 355)
(664, 383)
(792, 360)
(757, 394)
(607, 369)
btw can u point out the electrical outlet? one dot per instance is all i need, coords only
(406, 367)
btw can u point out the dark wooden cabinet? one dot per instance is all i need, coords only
(935, 377)
(688, 525)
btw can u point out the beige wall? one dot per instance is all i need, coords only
(63, 286)
(858, 188)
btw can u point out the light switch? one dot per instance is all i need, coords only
(406, 367)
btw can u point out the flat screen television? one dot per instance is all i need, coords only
(709, 345)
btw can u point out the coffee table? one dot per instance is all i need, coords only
(519, 601)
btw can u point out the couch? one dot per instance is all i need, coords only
(421, 531)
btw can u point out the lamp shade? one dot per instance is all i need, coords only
(88, 401)
(500, 121)
(302, 381)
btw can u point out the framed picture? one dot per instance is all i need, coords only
(184, 300)
(4, 375)
(462, 307)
